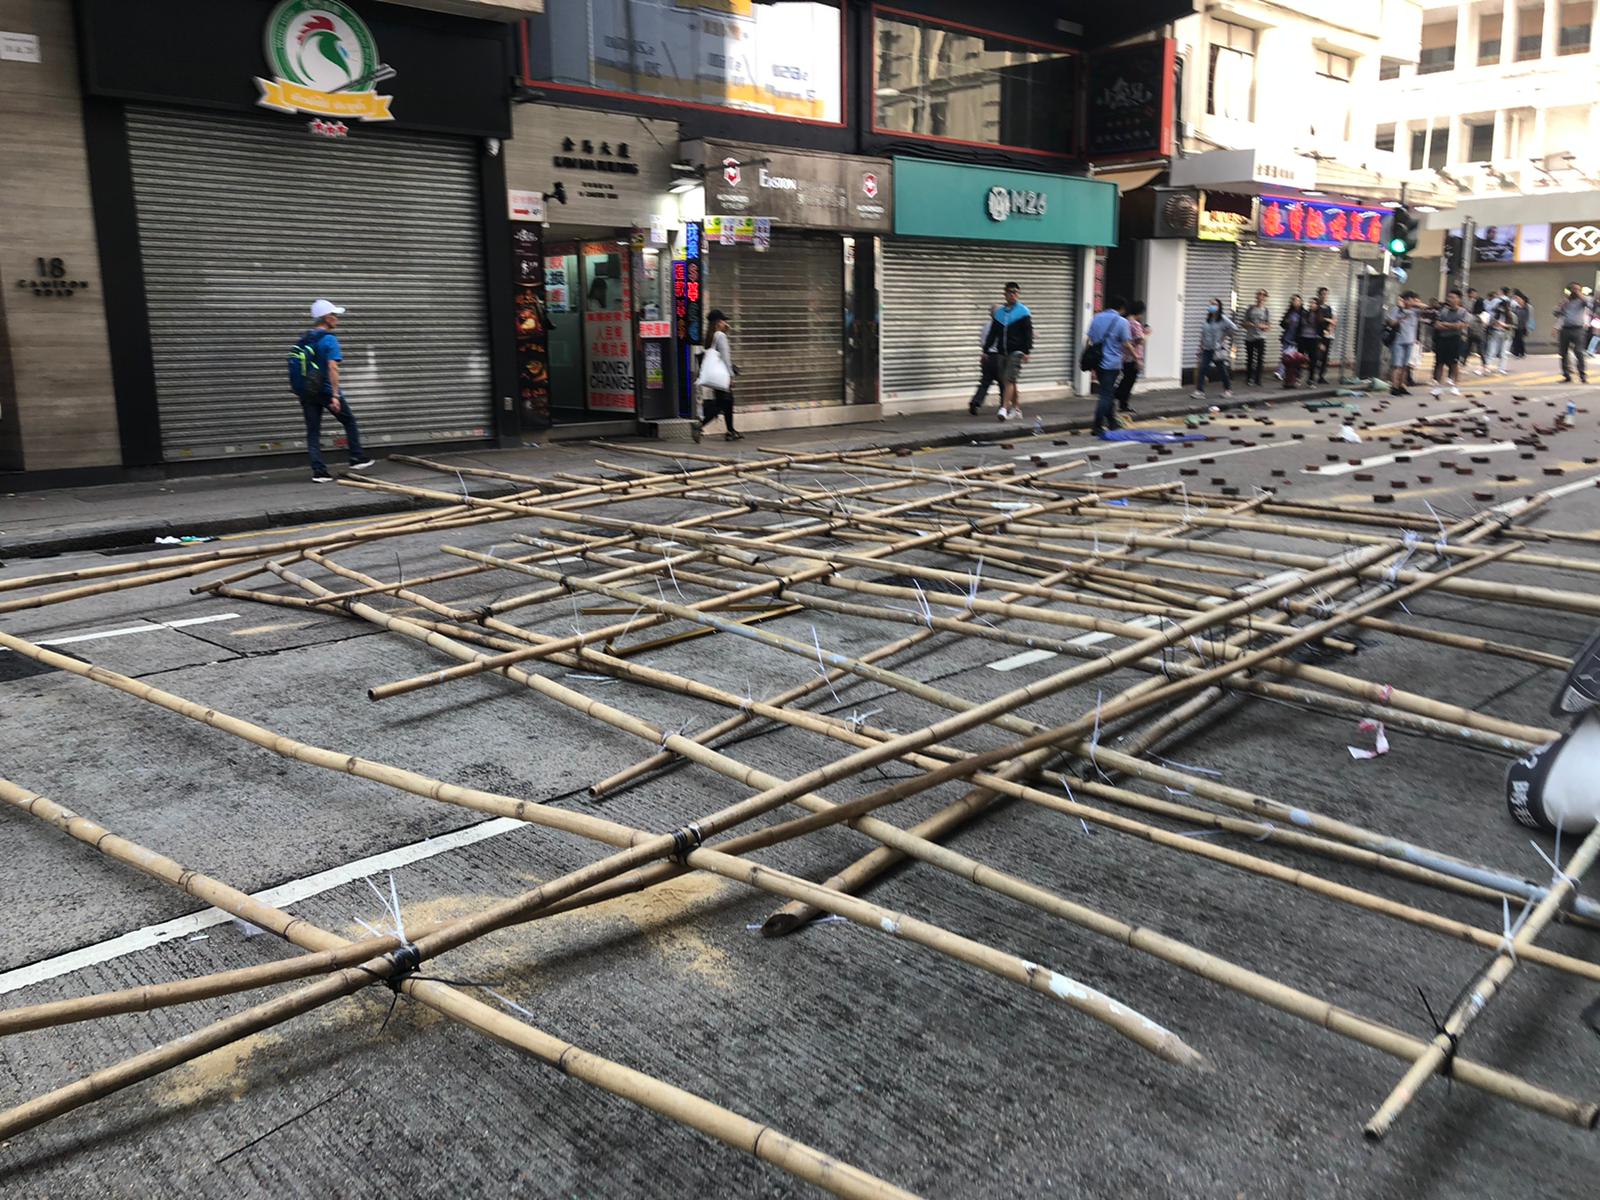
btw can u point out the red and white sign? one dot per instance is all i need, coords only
(655, 329)
(525, 206)
(608, 327)
(730, 171)
(869, 185)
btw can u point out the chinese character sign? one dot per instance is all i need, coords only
(1313, 223)
(608, 327)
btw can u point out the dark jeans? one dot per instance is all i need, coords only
(1318, 368)
(1130, 372)
(988, 376)
(313, 410)
(720, 402)
(1308, 347)
(1573, 337)
(1254, 353)
(1105, 412)
(1207, 357)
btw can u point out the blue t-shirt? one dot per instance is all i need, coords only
(1109, 330)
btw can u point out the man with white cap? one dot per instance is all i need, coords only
(326, 392)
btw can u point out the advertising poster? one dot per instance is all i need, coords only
(533, 325)
(608, 327)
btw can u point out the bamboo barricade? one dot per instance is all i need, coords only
(1442, 1049)
(1092, 1003)
(759, 1141)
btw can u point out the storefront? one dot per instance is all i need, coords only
(315, 148)
(961, 233)
(590, 198)
(786, 236)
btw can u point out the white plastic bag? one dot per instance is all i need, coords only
(714, 373)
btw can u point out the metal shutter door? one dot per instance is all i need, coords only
(786, 306)
(244, 221)
(936, 299)
(1277, 271)
(1208, 272)
(1330, 269)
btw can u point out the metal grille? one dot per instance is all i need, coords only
(244, 221)
(1330, 269)
(1208, 272)
(1287, 272)
(1276, 271)
(936, 302)
(786, 306)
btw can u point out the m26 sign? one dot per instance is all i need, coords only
(1001, 204)
(1313, 223)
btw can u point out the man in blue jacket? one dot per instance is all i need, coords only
(330, 356)
(1011, 340)
(1109, 332)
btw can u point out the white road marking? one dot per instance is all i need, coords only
(1172, 462)
(1026, 659)
(1093, 638)
(1383, 460)
(279, 897)
(127, 630)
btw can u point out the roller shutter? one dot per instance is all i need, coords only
(1208, 273)
(786, 306)
(1277, 272)
(244, 221)
(1285, 272)
(936, 302)
(1330, 269)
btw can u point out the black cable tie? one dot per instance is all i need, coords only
(1447, 1067)
(685, 841)
(405, 963)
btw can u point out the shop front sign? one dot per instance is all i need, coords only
(951, 200)
(324, 62)
(1131, 101)
(809, 191)
(1575, 243)
(1315, 223)
(1224, 217)
(597, 169)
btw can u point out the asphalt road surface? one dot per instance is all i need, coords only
(942, 1079)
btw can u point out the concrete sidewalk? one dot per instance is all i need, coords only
(35, 524)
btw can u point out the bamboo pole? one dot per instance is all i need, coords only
(1441, 1050)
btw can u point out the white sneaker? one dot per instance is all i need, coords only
(1197, 395)
(1437, 392)
(1016, 414)
(1477, 370)
(1227, 395)
(1455, 391)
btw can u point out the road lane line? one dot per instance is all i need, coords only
(1384, 460)
(128, 630)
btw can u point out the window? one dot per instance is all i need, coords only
(1488, 52)
(1230, 86)
(1480, 143)
(935, 81)
(1528, 46)
(778, 60)
(1330, 115)
(1424, 154)
(1574, 40)
(1439, 58)
(1389, 68)
(1384, 139)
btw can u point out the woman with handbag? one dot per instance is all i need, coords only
(717, 372)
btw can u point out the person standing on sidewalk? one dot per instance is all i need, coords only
(1133, 363)
(1110, 336)
(1450, 327)
(988, 367)
(1216, 335)
(1257, 319)
(1572, 319)
(327, 392)
(1521, 323)
(1010, 337)
(1498, 309)
(717, 329)
(1403, 319)
(1326, 320)
(1292, 323)
(1309, 324)
(1477, 330)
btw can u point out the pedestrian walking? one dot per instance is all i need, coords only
(1257, 320)
(717, 370)
(1326, 320)
(1309, 338)
(1011, 338)
(1572, 320)
(1500, 328)
(1105, 348)
(1292, 324)
(1477, 330)
(1132, 364)
(988, 367)
(315, 374)
(1522, 323)
(1401, 336)
(1217, 332)
(1450, 343)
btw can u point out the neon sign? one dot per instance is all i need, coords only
(1314, 223)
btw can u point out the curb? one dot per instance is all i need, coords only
(111, 537)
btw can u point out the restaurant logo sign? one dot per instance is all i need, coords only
(324, 62)
(1313, 223)
(1004, 203)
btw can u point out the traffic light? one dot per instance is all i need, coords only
(1403, 228)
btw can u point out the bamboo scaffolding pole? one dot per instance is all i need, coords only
(644, 847)
(760, 1141)
(1441, 1050)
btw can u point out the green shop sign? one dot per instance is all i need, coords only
(949, 200)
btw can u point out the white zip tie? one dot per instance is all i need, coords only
(822, 667)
